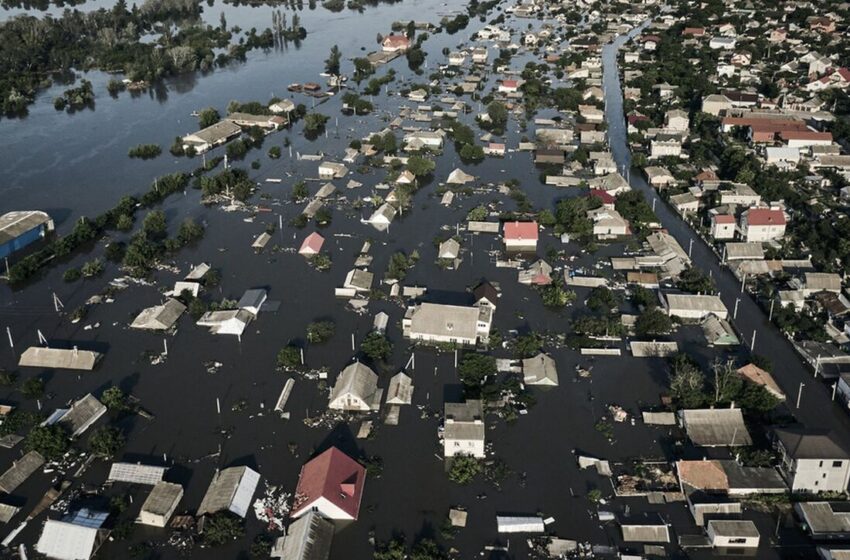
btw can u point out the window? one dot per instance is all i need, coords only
(738, 540)
(837, 464)
(820, 464)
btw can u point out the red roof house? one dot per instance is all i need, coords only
(394, 43)
(312, 245)
(332, 484)
(520, 234)
(606, 199)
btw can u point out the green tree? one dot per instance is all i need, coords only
(602, 300)
(154, 224)
(653, 322)
(222, 528)
(289, 357)
(464, 469)
(33, 388)
(51, 441)
(474, 369)
(527, 345)
(208, 117)
(299, 191)
(114, 399)
(554, 295)
(320, 331)
(420, 166)
(695, 281)
(498, 114)
(315, 122)
(376, 346)
(106, 442)
(332, 62)
(687, 383)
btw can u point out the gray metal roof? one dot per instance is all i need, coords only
(357, 379)
(136, 473)
(801, 443)
(163, 498)
(823, 517)
(20, 470)
(716, 427)
(733, 528)
(231, 489)
(400, 390)
(309, 538)
(540, 370)
(82, 415)
(159, 317)
(59, 358)
(454, 321)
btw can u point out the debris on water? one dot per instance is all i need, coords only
(273, 507)
(212, 367)
(618, 413)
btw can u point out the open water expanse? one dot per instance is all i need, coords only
(77, 165)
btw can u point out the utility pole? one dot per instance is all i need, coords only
(834, 388)
(800, 393)
(770, 315)
(690, 247)
(743, 282)
(735, 311)
(9, 334)
(753, 341)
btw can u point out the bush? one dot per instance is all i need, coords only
(145, 151)
(474, 368)
(221, 528)
(33, 388)
(653, 322)
(92, 268)
(71, 275)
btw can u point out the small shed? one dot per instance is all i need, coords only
(400, 390)
(520, 524)
(160, 504)
(715, 427)
(734, 533)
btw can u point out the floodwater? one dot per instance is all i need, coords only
(74, 165)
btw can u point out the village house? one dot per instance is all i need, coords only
(230, 321)
(677, 120)
(395, 44)
(825, 521)
(508, 86)
(312, 245)
(715, 427)
(22, 228)
(248, 120)
(716, 104)
(160, 504)
(663, 146)
(812, 461)
(685, 203)
(540, 370)
(479, 55)
(307, 538)
(332, 170)
(439, 323)
(740, 195)
(658, 176)
(762, 224)
(382, 217)
(520, 236)
(231, 489)
(159, 317)
(463, 430)
(77, 536)
(538, 273)
(733, 533)
(285, 106)
(722, 226)
(330, 484)
(212, 136)
(694, 306)
(400, 390)
(356, 390)
(608, 223)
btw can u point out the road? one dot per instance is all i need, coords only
(816, 407)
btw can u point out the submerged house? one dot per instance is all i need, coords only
(330, 484)
(356, 390)
(400, 390)
(439, 323)
(77, 536)
(22, 228)
(231, 321)
(59, 358)
(308, 538)
(540, 370)
(463, 432)
(160, 504)
(231, 490)
(159, 317)
(212, 136)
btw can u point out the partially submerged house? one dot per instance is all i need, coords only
(540, 370)
(22, 228)
(356, 390)
(463, 432)
(80, 416)
(159, 317)
(715, 427)
(330, 484)
(693, 306)
(230, 321)
(645, 529)
(212, 136)
(520, 236)
(59, 358)
(312, 245)
(382, 217)
(812, 461)
(308, 538)
(439, 323)
(231, 490)
(136, 473)
(160, 504)
(825, 521)
(20, 471)
(77, 536)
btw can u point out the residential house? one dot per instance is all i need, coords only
(463, 430)
(77, 536)
(382, 217)
(733, 533)
(312, 245)
(762, 224)
(160, 504)
(395, 44)
(356, 390)
(694, 306)
(400, 390)
(722, 226)
(231, 489)
(812, 461)
(677, 120)
(520, 236)
(540, 370)
(308, 538)
(159, 317)
(715, 427)
(230, 321)
(212, 136)
(330, 484)
(439, 323)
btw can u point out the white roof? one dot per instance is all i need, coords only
(136, 473)
(66, 541)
